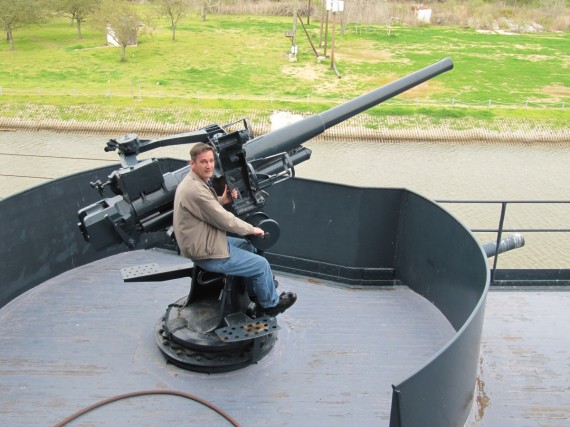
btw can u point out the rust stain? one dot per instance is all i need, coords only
(482, 399)
(280, 395)
(257, 327)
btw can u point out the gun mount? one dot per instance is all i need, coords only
(217, 327)
(143, 195)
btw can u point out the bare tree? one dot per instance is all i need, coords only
(205, 6)
(175, 10)
(77, 10)
(16, 14)
(122, 20)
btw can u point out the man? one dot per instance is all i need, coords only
(200, 226)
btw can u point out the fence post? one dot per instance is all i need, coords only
(489, 103)
(563, 104)
(452, 102)
(499, 235)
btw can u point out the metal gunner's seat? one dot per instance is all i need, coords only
(215, 328)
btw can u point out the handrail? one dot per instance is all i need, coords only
(500, 228)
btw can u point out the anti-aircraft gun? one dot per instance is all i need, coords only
(216, 327)
(143, 195)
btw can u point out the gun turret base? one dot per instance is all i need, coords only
(215, 328)
(212, 351)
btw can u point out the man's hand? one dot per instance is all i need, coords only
(226, 198)
(258, 232)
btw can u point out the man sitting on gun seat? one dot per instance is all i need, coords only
(200, 227)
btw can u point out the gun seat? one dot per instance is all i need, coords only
(213, 329)
(214, 301)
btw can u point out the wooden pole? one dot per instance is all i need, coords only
(308, 36)
(293, 54)
(332, 40)
(326, 33)
(322, 24)
(333, 65)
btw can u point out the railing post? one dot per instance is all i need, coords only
(499, 235)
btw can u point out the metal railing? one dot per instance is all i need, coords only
(500, 229)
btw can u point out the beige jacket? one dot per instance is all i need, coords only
(201, 222)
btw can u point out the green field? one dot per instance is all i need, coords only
(240, 63)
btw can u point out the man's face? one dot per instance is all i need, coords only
(204, 164)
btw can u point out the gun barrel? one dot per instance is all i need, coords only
(293, 135)
(509, 243)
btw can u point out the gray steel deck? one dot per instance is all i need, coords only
(524, 370)
(85, 336)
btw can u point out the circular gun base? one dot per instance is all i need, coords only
(239, 342)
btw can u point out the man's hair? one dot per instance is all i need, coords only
(198, 149)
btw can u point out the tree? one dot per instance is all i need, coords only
(77, 10)
(175, 10)
(205, 6)
(122, 20)
(16, 14)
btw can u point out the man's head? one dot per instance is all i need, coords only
(198, 149)
(202, 161)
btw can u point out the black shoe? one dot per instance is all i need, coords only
(286, 300)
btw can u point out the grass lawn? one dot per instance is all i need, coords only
(240, 63)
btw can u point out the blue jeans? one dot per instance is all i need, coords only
(244, 262)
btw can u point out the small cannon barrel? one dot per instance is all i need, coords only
(513, 242)
(291, 136)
